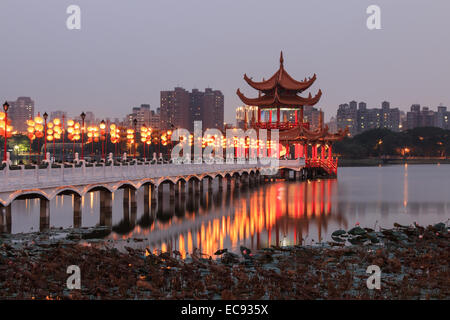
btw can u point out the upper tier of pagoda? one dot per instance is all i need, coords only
(280, 90)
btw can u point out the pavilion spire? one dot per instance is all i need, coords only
(281, 58)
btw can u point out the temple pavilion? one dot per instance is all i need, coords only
(280, 106)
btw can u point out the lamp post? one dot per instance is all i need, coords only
(5, 108)
(45, 115)
(102, 135)
(135, 136)
(83, 115)
(63, 133)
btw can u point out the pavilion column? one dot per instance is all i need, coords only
(322, 149)
(259, 115)
(329, 152)
(270, 116)
(301, 115)
(296, 117)
(278, 114)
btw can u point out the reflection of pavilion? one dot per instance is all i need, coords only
(257, 217)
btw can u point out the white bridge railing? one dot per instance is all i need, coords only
(20, 179)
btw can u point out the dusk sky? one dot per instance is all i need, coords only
(128, 51)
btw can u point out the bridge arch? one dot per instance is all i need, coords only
(32, 194)
(99, 188)
(127, 184)
(68, 191)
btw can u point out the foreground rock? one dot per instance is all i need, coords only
(414, 263)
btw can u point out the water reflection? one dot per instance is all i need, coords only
(270, 214)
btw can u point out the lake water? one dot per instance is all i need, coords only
(273, 213)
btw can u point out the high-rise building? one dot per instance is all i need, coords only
(19, 112)
(144, 116)
(413, 117)
(180, 108)
(175, 109)
(332, 125)
(310, 115)
(347, 117)
(58, 114)
(443, 118)
(212, 113)
(425, 117)
(359, 118)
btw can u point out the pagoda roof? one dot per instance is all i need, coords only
(280, 90)
(281, 78)
(278, 99)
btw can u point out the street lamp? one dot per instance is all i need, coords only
(45, 115)
(83, 115)
(135, 134)
(5, 108)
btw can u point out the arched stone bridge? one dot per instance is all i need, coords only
(49, 182)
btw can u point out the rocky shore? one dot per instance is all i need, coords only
(414, 263)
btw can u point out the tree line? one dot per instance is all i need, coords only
(417, 142)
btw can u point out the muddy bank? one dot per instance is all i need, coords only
(414, 262)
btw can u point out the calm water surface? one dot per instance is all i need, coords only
(274, 213)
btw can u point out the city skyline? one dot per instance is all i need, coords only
(120, 71)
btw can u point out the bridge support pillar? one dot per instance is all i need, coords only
(237, 180)
(146, 200)
(146, 193)
(106, 207)
(76, 211)
(133, 202)
(220, 182)
(191, 186)
(201, 186)
(210, 182)
(197, 186)
(5, 219)
(153, 190)
(228, 183)
(160, 193)
(183, 189)
(44, 216)
(172, 192)
(177, 189)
